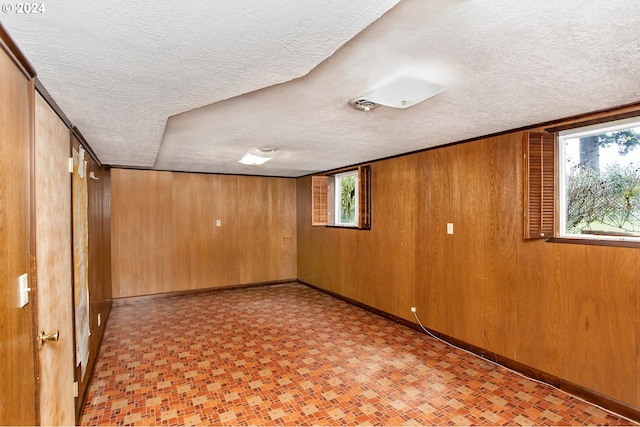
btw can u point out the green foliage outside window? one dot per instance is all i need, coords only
(604, 200)
(348, 200)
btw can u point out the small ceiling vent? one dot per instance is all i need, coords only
(265, 150)
(362, 104)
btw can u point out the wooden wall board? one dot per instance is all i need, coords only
(393, 199)
(175, 215)
(98, 269)
(502, 212)
(543, 303)
(99, 228)
(342, 260)
(141, 227)
(568, 310)
(53, 260)
(577, 306)
(17, 366)
(191, 250)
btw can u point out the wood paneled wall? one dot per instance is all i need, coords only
(17, 353)
(565, 309)
(99, 268)
(165, 237)
(22, 249)
(54, 252)
(141, 243)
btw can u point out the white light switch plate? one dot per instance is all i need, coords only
(449, 228)
(218, 223)
(23, 289)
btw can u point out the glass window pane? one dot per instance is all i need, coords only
(602, 183)
(346, 198)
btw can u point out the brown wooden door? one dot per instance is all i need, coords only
(53, 260)
(17, 344)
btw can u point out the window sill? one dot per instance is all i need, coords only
(348, 227)
(595, 242)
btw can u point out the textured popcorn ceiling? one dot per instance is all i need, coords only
(193, 86)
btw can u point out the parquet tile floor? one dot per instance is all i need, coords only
(290, 355)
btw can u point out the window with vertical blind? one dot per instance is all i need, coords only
(342, 199)
(319, 200)
(583, 183)
(540, 185)
(364, 174)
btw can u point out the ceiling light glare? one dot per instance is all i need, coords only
(253, 160)
(403, 91)
(258, 156)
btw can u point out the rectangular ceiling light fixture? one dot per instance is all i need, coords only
(253, 160)
(403, 91)
(258, 156)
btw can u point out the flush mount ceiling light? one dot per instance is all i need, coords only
(257, 156)
(398, 91)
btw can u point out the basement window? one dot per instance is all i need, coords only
(346, 199)
(582, 183)
(342, 199)
(599, 181)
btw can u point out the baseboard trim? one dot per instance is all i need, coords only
(599, 399)
(135, 298)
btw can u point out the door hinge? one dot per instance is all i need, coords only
(70, 164)
(75, 389)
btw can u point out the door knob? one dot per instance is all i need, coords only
(43, 338)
